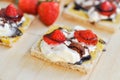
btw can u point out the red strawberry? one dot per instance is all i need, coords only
(49, 41)
(28, 6)
(86, 36)
(56, 37)
(11, 11)
(48, 12)
(108, 8)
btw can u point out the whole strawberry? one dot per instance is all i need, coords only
(48, 12)
(28, 6)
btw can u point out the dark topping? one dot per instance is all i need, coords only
(92, 23)
(78, 7)
(66, 5)
(0, 41)
(109, 19)
(77, 47)
(103, 50)
(102, 41)
(17, 32)
(19, 25)
(2, 13)
(83, 60)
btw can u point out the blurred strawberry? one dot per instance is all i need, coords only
(49, 41)
(107, 8)
(12, 13)
(48, 12)
(86, 36)
(28, 6)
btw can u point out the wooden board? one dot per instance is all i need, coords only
(16, 63)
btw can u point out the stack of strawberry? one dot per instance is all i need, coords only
(48, 11)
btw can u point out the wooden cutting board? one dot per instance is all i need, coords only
(16, 63)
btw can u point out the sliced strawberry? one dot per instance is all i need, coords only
(54, 38)
(49, 41)
(58, 35)
(86, 36)
(11, 11)
(107, 8)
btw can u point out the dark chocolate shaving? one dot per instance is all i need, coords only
(17, 32)
(66, 5)
(19, 25)
(78, 7)
(83, 60)
(77, 47)
(102, 41)
(103, 50)
(109, 19)
(93, 23)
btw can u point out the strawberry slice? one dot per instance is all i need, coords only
(86, 36)
(107, 8)
(11, 11)
(49, 41)
(56, 37)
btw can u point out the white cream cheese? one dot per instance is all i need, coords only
(59, 53)
(21, 21)
(85, 3)
(7, 29)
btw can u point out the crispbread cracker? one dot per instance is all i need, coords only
(8, 41)
(82, 69)
(82, 19)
